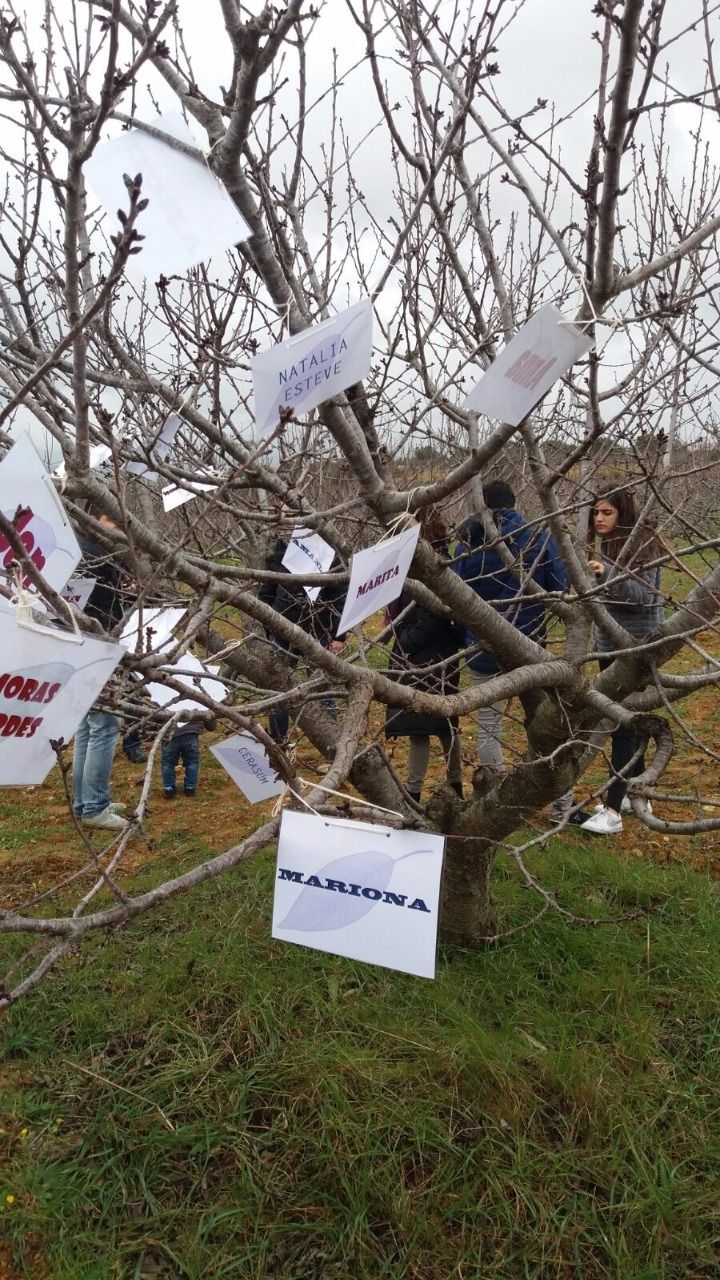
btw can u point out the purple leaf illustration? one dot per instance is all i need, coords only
(316, 352)
(322, 909)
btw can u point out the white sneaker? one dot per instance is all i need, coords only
(108, 820)
(117, 807)
(626, 806)
(604, 822)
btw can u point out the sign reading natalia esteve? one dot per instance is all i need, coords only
(356, 890)
(47, 684)
(319, 362)
(307, 552)
(43, 525)
(540, 353)
(247, 763)
(377, 576)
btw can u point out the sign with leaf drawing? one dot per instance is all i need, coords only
(307, 552)
(352, 889)
(29, 498)
(540, 353)
(303, 371)
(247, 763)
(189, 216)
(48, 681)
(377, 577)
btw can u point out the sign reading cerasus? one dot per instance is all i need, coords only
(319, 362)
(360, 891)
(47, 684)
(189, 217)
(247, 763)
(42, 522)
(307, 552)
(540, 353)
(377, 576)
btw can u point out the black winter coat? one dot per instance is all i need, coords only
(422, 639)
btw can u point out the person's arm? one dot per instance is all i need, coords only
(641, 588)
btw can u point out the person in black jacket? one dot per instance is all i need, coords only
(97, 734)
(318, 618)
(423, 641)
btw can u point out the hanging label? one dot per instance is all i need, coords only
(319, 362)
(377, 576)
(43, 525)
(360, 891)
(47, 684)
(190, 216)
(247, 763)
(307, 552)
(540, 353)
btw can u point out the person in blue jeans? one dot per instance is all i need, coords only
(183, 745)
(93, 753)
(98, 731)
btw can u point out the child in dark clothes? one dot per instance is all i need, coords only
(183, 745)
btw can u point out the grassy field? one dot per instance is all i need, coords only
(190, 1099)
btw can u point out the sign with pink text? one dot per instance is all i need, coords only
(303, 371)
(377, 576)
(247, 763)
(48, 682)
(540, 353)
(43, 525)
(307, 552)
(353, 889)
(190, 215)
(78, 591)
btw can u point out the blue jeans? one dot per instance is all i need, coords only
(93, 753)
(186, 748)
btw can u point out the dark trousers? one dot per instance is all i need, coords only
(186, 748)
(623, 745)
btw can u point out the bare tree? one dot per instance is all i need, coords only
(415, 172)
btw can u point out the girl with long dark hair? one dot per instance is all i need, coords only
(632, 598)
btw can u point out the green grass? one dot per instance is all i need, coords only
(546, 1109)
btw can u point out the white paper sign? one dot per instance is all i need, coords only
(360, 891)
(160, 448)
(307, 552)
(44, 529)
(247, 763)
(190, 672)
(157, 624)
(377, 576)
(47, 684)
(98, 454)
(190, 216)
(540, 353)
(317, 363)
(78, 591)
(174, 496)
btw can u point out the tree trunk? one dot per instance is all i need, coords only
(467, 912)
